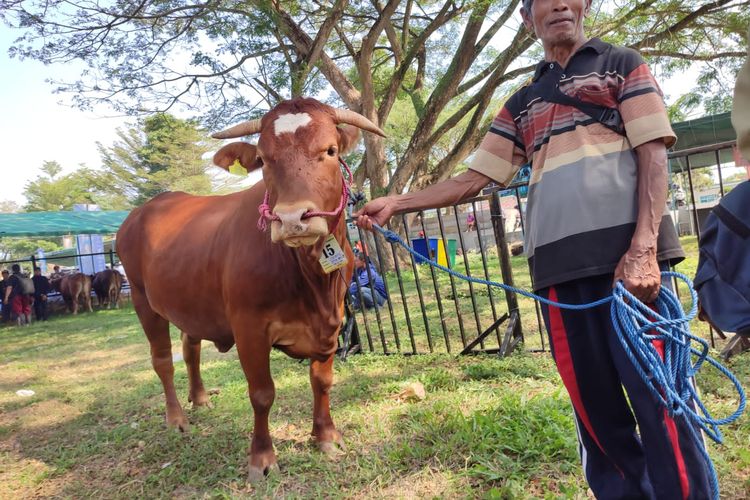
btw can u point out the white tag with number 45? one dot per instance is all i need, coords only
(332, 257)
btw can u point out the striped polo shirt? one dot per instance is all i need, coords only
(583, 191)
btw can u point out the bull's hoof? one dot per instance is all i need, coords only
(177, 421)
(200, 399)
(257, 474)
(332, 449)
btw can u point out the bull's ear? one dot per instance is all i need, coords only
(241, 152)
(348, 137)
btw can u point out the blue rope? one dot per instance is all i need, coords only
(668, 377)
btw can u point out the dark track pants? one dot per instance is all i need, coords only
(663, 463)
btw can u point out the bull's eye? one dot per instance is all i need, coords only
(332, 151)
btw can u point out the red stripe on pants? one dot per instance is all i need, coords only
(672, 428)
(564, 363)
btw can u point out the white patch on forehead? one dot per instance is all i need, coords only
(290, 122)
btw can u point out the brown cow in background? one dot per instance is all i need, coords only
(107, 285)
(251, 290)
(73, 288)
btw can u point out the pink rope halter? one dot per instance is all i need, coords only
(267, 215)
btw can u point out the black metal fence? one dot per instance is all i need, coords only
(430, 311)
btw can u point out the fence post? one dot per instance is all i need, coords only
(503, 253)
(33, 263)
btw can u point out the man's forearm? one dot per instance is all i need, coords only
(442, 194)
(652, 193)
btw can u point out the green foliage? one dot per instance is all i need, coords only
(48, 192)
(24, 247)
(162, 153)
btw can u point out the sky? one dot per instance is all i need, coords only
(38, 126)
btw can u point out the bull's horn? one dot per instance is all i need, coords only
(359, 121)
(246, 128)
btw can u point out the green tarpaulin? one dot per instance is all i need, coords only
(61, 223)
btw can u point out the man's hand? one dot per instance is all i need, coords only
(378, 211)
(639, 272)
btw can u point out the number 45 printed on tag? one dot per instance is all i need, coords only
(332, 257)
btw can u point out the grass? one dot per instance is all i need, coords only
(488, 427)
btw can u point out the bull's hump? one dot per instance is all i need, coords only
(290, 122)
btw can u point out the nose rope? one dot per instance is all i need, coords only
(267, 215)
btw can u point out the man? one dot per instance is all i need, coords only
(595, 215)
(373, 292)
(15, 297)
(41, 290)
(56, 274)
(3, 286)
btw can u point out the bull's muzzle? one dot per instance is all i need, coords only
(295, 230)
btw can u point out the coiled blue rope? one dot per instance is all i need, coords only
(668, 376)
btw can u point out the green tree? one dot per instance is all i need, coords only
(161, 153)
(451, 61)
(51, 192)
(24, 247)
(701, 177)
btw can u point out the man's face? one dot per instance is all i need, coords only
(359, 263)
(37, 272)
(557, 22)
(5, 275)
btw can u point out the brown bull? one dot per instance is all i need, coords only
(74, 288)
(252, 291)
(107, 285)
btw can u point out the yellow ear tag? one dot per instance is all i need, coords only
(237, 169)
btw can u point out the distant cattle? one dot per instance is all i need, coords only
(245, 287)
(107, 285)
(74, 288)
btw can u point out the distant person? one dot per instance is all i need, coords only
(512, 219)
(41, 290)
(19, 296)
(471, 222)
(56, 274)
(372, 293)
(3, 286)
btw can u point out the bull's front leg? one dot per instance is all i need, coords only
(255, 359)
(328, 438)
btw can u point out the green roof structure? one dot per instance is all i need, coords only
(704, 131)
(61, 223)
